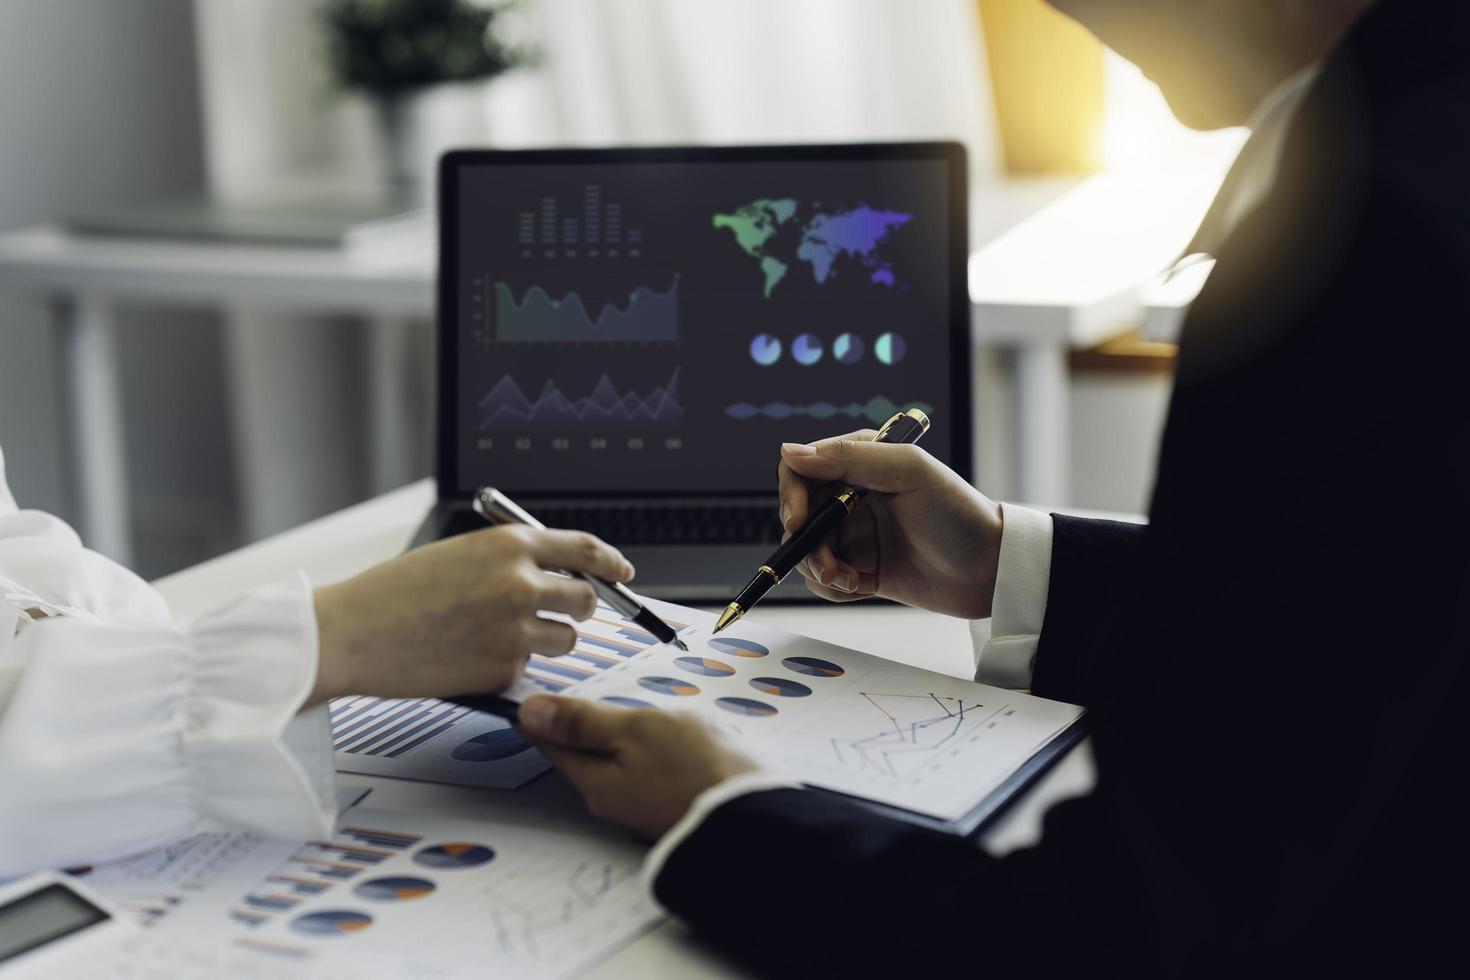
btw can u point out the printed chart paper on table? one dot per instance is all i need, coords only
(829, 716)
(430, 740)
(390, 894)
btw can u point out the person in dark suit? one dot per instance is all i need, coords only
(1275, 667)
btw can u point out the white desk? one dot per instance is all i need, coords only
(347, 542)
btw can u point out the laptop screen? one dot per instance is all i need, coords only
(652, 322)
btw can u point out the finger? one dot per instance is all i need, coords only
(861, 462)
(574, 724)
(831, 571)
(551, 638)
(833, 595)
(794, 496)
(592, 774)
(578, 551)
(563, 594)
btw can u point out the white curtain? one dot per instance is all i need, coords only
(654, 71)
(611, 72)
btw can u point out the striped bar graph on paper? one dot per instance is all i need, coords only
(389, 727)
(603, 642)
(298, 886)
(379, 838)
(323, 869)
(344, 854)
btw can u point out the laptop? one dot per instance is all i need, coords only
(626, 336)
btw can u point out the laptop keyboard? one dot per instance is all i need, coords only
(676, 522)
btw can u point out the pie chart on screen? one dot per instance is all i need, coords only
(848, 348)
(890, 348)
(331, 923)
(765, 350)
(807, 349)
(394, 889)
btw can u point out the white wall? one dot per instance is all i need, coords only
(99, 104)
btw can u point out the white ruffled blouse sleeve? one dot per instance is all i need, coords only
(122, 728)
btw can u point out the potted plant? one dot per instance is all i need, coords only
(401, 54)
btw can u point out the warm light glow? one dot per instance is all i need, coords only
(1141, 134)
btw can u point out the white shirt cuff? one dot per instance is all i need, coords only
(124, 734)
(259, 763)
(1005, 655)
(755, 781)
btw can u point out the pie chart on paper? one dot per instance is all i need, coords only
(780, 687)
(813, 667)
(501, 743)
(749, 707)
(705, 666)
(455, 855)
(394, 889)
(733, 647)
(623, 702)
(668, 685)
(331, 923)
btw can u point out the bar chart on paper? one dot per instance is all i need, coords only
(430, 740)
(603, 642)
(392, 894)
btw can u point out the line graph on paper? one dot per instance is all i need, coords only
(534, 904)
(912, 730)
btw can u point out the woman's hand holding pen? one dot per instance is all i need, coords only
(459, 616)
(923, 536)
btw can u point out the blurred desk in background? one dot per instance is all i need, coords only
(1074, 275)
(89, 278)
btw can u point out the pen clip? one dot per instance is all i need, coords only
(916, 414)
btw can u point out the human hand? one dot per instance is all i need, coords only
(458, 616)
(923, 536)
(640, 769)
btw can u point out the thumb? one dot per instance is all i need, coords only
(881, 466)
(572, 723)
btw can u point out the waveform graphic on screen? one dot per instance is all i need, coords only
(877, 410)
(646, 315)
(507, 408)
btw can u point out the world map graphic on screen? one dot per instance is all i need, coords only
(823, 236)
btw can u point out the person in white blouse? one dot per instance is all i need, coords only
(123, 727)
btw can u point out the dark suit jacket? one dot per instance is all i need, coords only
(1275, 668)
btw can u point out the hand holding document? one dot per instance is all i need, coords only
(943, 751)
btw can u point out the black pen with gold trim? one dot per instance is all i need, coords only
(904, 427)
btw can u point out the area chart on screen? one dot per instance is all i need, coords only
(644, 314)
